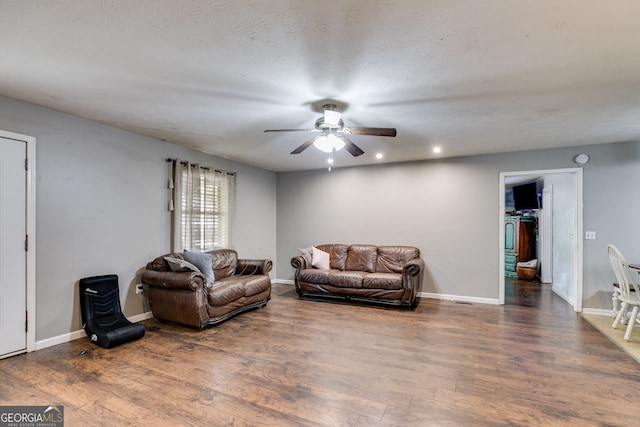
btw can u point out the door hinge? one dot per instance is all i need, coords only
(26, 243)
(26, 321)
(26, 164)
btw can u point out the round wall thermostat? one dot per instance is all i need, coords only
(581, 159)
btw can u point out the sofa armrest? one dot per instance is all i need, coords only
(298, 263)
(413, 267)
(412, 273)
(173, 279)
(253, 266)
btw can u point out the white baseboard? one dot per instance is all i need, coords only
(284, 282)
(562, 295)
(598, 311)
(61, 339)
(459, 298)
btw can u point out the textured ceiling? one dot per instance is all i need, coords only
(473, 77)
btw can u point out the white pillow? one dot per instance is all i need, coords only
(203, 261)
(177, 264)
(320, 259)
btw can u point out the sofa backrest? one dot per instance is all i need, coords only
(369, 258)
(224, 262)
(391, 259)
(337, 255)
(361, 258)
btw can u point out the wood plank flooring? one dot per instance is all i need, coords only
(316, 363)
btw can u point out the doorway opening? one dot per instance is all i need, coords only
(558, 230)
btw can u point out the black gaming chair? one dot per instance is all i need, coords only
(102, 317)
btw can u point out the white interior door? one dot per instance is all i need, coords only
(13, 283)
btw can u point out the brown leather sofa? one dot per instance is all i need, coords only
(184, 297)
(383, 274)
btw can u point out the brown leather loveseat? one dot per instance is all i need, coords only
(180, 292)
(384, 274)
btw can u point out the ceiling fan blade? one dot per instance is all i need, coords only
(290, 130)
(304, 146)
(351, 147)
(370, 131)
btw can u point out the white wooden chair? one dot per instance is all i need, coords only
(616, 304)
(628, 295)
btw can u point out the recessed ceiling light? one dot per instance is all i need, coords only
(581, 159)
(437, 150)
(379, 156)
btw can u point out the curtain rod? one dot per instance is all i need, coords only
(184, 162)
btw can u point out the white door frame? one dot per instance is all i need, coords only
(577, 231)
(546, 258)
(31, 233)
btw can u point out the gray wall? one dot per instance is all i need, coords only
(449, 208)
(102, 197)
(102, 208)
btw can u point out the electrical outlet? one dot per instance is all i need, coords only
(590, 235)
(139, 289)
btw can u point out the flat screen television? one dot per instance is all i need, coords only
(525, 197)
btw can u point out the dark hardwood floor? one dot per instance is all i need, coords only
(313, 363)
(528, 293)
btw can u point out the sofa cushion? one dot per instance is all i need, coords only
(225, 262)
(382, 281)
(337, 255)
(391, 259)
(178, 264)
(224, 292)
(313, 275)
(231, 288)
(256, 284)
(202, 260)
(320, 259)
(361, 258)
(346, 279)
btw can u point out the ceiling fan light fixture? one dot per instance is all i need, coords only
(328, 143)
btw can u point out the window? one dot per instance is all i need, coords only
(203, 208)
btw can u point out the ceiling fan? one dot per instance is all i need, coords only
(331, 133)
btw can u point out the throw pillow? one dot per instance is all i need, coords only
(307, 254)
(320, 259)
(177, 264)
(203, 261)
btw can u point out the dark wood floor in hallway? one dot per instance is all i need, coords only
(315, 363)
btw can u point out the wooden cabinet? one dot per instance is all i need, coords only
(519, 242)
